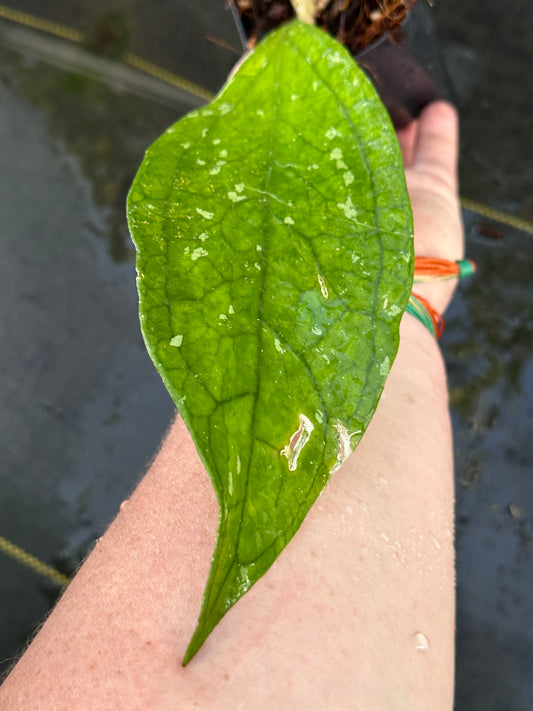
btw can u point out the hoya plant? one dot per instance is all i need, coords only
(275, 258)
(355, 23)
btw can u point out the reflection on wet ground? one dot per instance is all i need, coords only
(77, 385)
(487, 48)
(488, 351)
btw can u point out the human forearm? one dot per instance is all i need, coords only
(331, 625)
(358, 611)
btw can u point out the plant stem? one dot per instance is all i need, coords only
(305, 10)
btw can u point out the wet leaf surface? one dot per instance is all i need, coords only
(274, 254)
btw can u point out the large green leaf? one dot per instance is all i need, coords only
(274, 239)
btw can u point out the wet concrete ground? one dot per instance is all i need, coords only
(77, 387)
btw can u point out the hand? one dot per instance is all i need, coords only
(429, 147)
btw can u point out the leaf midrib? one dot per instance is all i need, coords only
(363, 153)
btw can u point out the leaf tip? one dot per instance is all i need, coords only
(197, 640)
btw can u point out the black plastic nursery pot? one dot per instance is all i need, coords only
(406, 70)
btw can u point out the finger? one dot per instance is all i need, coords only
(406, 138)
(435, 149)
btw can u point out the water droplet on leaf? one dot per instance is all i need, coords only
(297, 442)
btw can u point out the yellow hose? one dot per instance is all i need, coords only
(67, 33)
(502, 217)
(30, 561)
(53, 28)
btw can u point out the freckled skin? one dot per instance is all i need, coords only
(340, 598)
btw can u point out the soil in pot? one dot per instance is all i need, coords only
(354, 23)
